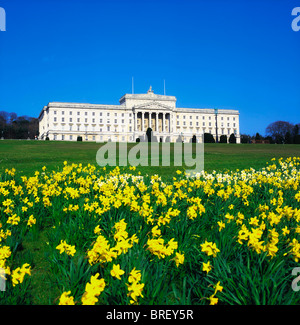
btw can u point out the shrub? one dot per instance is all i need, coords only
(223, 138)
(208, 138)
(232, 138)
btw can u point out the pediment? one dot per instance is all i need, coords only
(153, 105)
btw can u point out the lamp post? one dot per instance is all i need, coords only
(216, 114)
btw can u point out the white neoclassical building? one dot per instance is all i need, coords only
(130, 120)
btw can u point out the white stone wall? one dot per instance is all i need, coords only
(67, 121)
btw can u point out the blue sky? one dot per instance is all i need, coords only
(215, 53)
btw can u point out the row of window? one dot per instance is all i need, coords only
(130, 121)
(93, 120)
(203, 124)
(93, 113)
(108, 128)
(222, 130)
(203, 117)
(130, 115)
(70, 137)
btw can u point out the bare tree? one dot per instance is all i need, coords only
(277, 130)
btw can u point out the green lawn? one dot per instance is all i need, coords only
(29, 156)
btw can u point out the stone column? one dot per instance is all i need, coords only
(163, 122)
(156, 116)
(150, 118)
(143, 120)
(135, 120)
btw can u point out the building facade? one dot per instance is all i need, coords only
(130, 120)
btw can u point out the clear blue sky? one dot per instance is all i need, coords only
(214, 53)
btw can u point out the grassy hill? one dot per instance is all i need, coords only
(29, 156)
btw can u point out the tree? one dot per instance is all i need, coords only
(194, 139)
(232, 138)
(277, 130)
(223, 138)
(14, 127)
(258, 136)
(179, 139)
(149, 134)
(288, 138)
(245, 138)
(297, 139)
(295, 134)
(208, 138)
